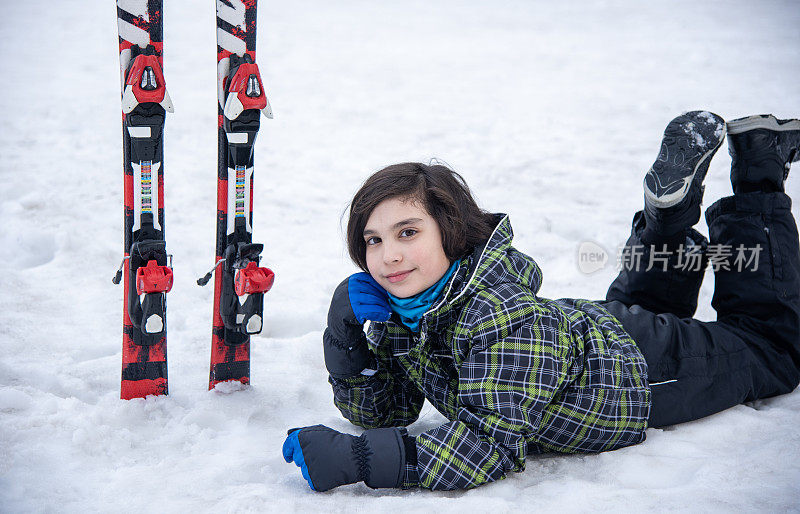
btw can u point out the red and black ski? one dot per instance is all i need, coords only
(147, 274)
(239, 282)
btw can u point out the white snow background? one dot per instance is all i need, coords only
(552, 111)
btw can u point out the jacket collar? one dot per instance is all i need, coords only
(488, 265)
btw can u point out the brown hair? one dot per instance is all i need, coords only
(444, 195)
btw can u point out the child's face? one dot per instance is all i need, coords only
(404, 247)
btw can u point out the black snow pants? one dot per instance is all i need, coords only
(752, 351)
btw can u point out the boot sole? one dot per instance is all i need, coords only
(763, 121)
(671, 177)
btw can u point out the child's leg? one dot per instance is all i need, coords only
(663, 262)
(757, 221)
(753, 350)
(656, 281)
(760, 298)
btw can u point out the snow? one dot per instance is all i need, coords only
(552, 111)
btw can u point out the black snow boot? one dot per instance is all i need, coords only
(762, 148)
(673, 187)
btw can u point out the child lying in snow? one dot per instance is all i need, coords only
(456, 319)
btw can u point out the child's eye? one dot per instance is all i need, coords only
(373, 241)
(408, 232)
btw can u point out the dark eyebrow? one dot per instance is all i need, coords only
(403, 223)
(409, 221)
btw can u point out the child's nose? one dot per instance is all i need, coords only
(392, 254)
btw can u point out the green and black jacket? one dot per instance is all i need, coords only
(513, 373)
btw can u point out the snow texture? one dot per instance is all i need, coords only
(552, 111)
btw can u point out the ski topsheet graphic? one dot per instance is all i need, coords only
(239, 282)
(145, 267)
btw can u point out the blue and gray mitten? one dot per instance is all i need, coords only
(328, 458)
(357, 299)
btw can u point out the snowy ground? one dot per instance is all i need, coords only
(551, 110)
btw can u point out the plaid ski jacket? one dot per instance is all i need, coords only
(512, 372)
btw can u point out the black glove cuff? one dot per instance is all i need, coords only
(345, 359)
(386, 457)
(410, 444)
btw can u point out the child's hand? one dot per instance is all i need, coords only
(357, 299)
(368, 300)
(328, 458)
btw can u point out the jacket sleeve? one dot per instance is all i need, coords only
(385, 399)
(511, 373)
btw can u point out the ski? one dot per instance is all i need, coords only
(145, 267)
(239, 282)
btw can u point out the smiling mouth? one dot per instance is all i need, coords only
(397, 277)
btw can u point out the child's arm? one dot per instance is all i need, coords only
(384, 399)
(366, 390)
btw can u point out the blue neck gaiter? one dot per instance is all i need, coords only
(412, 308)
